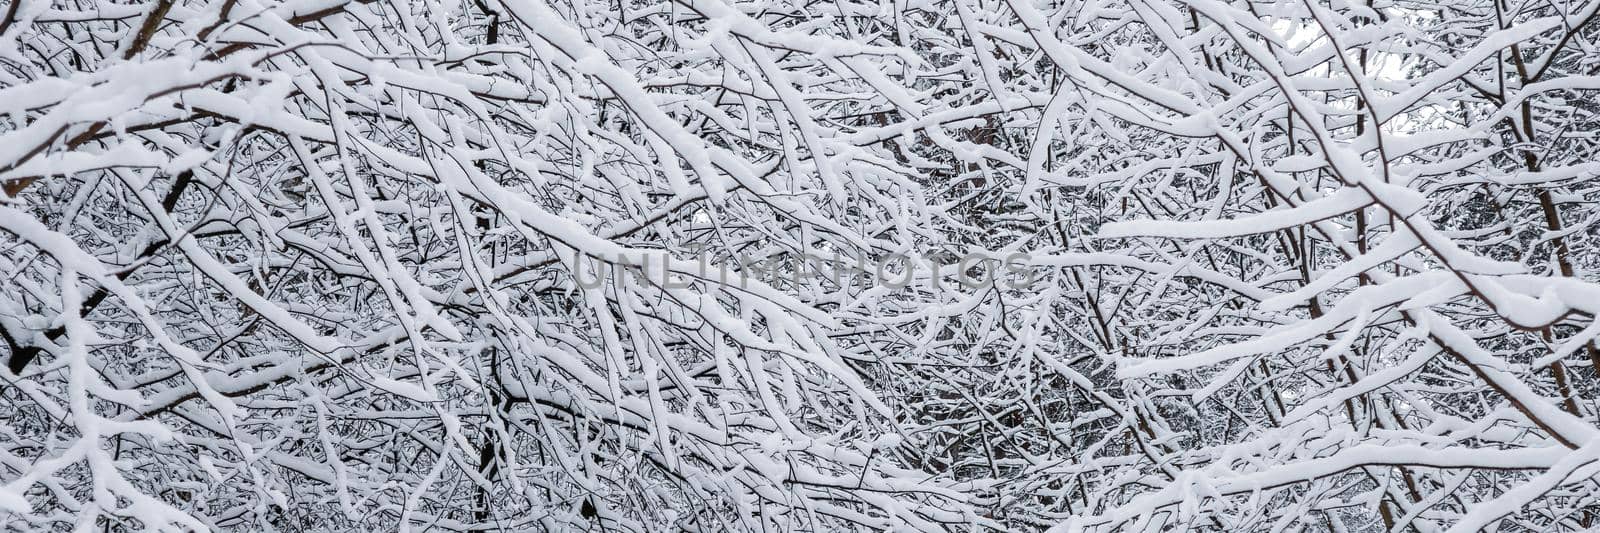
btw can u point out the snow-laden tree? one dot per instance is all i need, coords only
(327, 266)
(564, 265)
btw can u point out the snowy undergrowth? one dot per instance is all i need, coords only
(324, 265)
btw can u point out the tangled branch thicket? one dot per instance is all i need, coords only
(320, 265)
